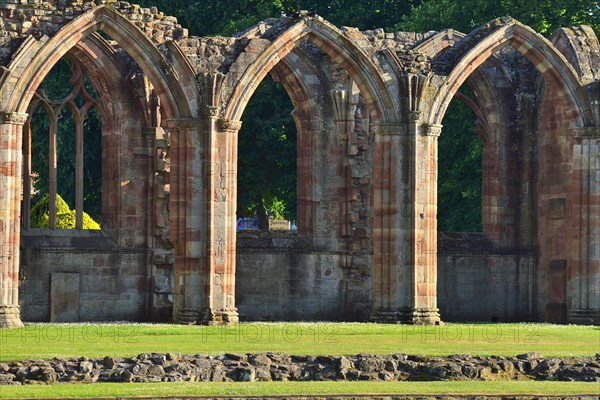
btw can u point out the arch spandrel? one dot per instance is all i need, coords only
(580, 46)
(435, 45)
(480, 45)
(36, 58)
(330, 40)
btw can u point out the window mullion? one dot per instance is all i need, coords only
(52, 166)
(79, 173)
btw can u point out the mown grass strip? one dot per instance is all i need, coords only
(45, 341)
(140, 390)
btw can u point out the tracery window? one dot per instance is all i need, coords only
(62, 174)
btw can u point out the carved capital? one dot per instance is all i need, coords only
(590, 132)
(415, 87)
(181, 123)
(432, 130)
(210, 111)
(13, 118)
(210, 87)
(388, 129)
(230, 125)
(414, 116)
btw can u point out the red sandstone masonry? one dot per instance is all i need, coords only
(367, 168)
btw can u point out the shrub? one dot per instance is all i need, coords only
(65, 217)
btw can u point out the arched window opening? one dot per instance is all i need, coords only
(62, 173)
(92, 159)
(460, 178)
(267, 159)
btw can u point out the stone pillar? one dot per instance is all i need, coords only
(224, 223)
(11, 130)
(392, 290)
(202, 210)
(343, 112)
(584, 275)
(405, 225)
(306, 171)
(424, 218)
(188, 220)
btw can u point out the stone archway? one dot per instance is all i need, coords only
(35, 58)
(561, 106)
(405, 85)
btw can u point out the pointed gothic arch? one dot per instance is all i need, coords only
(336, 45)
(37, 58)
(538, 50)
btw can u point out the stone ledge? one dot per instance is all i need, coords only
(72, 239)
(283, 367)
(272, 241)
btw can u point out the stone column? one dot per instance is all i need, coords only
(11, 130)
(224, 223)
(392, 290)
(343, 112)
(405, 225)
(188, 220)
(306, 170)
(202, 208)
(584, 275)
(424, 217)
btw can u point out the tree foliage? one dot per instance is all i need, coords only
(229, 17)
(545, 16)
(267, 156)
(459, 172)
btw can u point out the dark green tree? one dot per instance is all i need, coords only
(545, 16)
(227, 18)
(459, 172)
(267, 156)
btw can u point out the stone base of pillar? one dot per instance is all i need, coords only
(407, 315)
(223, 317)
(585, 317)
(10, 317)
(187, 316)
(192, 316)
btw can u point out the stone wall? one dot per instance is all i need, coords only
(281, 277)
(478, 282)
(102, 283)
(283, 367)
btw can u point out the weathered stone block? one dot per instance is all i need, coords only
(64, 297)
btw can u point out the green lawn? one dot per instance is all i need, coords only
(114, 390)
(44, 341)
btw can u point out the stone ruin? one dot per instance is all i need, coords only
(368, 108)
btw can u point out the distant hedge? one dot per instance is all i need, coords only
(65, 217)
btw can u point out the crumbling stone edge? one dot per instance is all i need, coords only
(169, 367)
